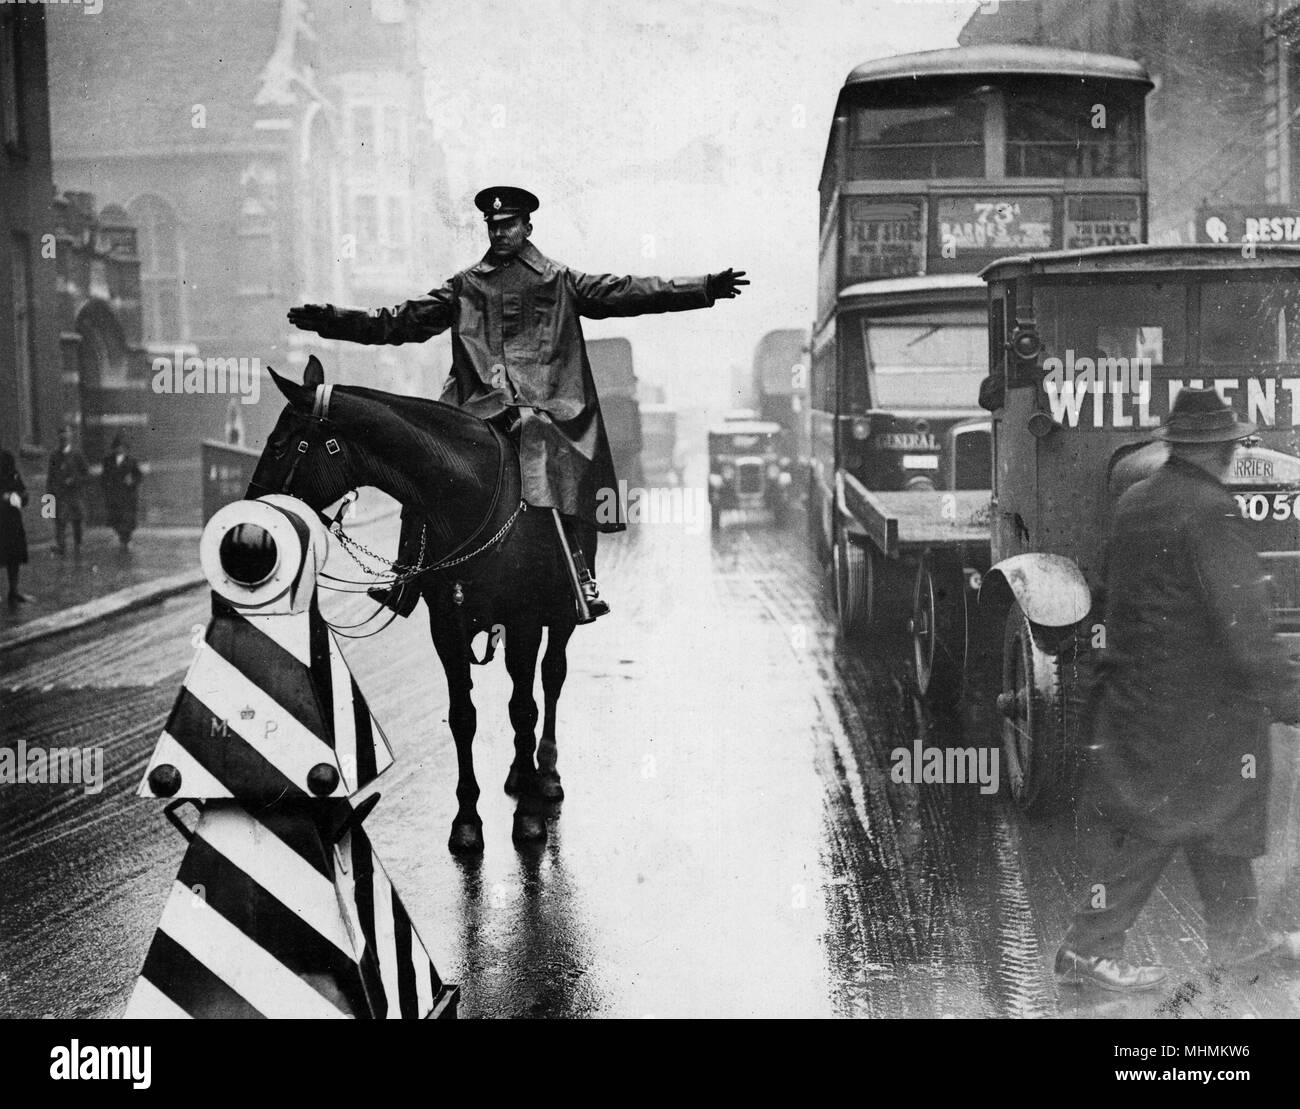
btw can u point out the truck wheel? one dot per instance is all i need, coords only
(938, 628)
(851, 571)
(1038, 714)
(814, 516)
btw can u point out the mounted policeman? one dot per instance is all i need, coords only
(519, 361)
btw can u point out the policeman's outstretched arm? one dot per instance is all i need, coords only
(601, 295)
(413, 321)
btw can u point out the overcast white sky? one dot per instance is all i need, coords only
(668, 137)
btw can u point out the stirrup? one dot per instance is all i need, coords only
(591, 594)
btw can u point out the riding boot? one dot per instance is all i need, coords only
(405, 595)
(590, 588)
(586, 591)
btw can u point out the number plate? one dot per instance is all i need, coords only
(1258, 507)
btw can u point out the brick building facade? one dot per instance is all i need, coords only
(32, 402)
(268, 154)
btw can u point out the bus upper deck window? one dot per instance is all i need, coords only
(941, 136)
(1073, 130)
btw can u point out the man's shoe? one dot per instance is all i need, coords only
(591, 594)
(1117, 975)
(386, 595)
(401, 598)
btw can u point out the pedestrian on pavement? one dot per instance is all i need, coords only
(67, 479)
(120, 482)
(13, 536)
(1186, 684)
(518, 359)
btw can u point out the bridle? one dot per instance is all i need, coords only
(400, 573)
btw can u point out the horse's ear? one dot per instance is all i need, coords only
(314, 374)
(300, 396)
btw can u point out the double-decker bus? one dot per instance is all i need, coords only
(937, 164)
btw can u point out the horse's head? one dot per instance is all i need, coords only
(304, 457)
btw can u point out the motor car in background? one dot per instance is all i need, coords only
(749, 469)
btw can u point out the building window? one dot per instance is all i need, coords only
(29, 430)
(11, 96)
(365, 221)
(363, 131)
(161, 271)
(395, 233)
(394, 134)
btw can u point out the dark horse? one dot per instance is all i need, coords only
(488, 563)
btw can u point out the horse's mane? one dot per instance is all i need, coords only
(426, 453)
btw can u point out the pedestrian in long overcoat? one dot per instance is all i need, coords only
(66, 479)
(1188, 681)
(120, 482)
(13, 536)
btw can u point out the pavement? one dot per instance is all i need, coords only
(70, 592)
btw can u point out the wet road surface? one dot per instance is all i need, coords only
(731, 843)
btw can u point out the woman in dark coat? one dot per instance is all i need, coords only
(13, 536)
(120, 482)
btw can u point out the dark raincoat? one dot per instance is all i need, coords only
(66, 478)
(517, 340)
(120, 483)
(1191, 674)
(13, 536)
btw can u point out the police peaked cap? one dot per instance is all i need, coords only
(505, 202)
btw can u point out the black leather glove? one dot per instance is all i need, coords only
(725, 285)
(312, 317)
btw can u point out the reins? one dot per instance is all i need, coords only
(400, 573)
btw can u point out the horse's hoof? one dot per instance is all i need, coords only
(549, 788)
(529, 828)
(466, 838)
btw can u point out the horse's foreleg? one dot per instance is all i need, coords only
(523, 640)
(467, 827)
(555, 668)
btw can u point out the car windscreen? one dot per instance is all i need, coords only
(921, 362)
